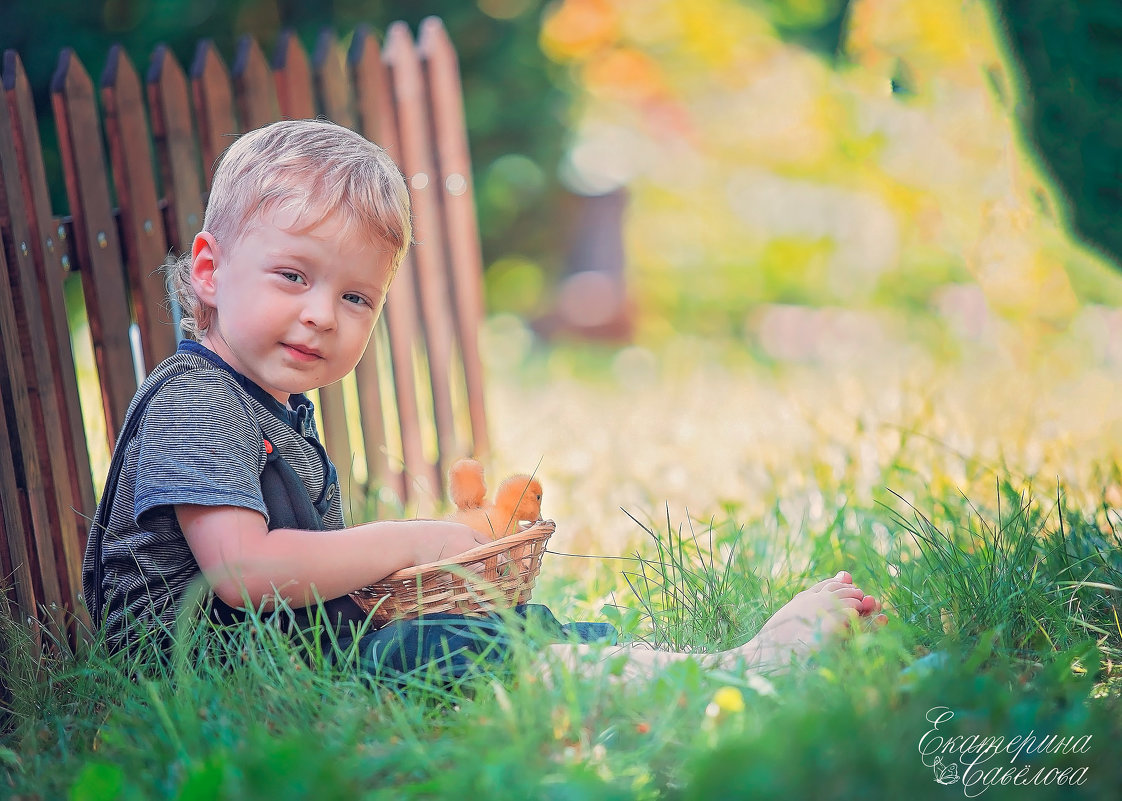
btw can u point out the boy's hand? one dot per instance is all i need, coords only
(445, 541)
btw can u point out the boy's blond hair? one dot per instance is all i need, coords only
(310, 170)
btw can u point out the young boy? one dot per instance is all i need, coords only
(218, 471)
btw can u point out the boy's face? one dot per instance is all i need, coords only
(292, 311)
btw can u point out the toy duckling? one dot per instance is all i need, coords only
(517, 499)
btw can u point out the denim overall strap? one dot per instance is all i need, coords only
(290, 506)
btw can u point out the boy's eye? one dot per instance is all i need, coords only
(295, 278)
(358, 300)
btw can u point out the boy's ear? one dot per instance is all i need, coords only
(204, 261)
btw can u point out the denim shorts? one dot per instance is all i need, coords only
(448, 647)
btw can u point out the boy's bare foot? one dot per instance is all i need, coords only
(809, 619)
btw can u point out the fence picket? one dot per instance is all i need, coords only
(16, 521)
(59, 536)
(329, 71)
(214, 105)
(48, 243)
(428, 253)
(457, 202)
(32, 547)
(141, 222)
(95, 235)
(377, 121)
(255, 92)
(293, 78)
(175, 148)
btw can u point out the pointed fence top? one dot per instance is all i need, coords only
(293, 77)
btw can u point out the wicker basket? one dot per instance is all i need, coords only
(500, 574)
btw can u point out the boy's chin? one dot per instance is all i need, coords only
(304, 387)
(301, 383)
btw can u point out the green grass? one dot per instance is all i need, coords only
(1004, 612)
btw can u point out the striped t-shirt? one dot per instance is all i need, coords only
(201, 441)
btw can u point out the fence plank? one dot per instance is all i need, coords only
(330, 74)
(43, 447)
(32, 546)
(255, 92)
(15, 566)
(445, 94)
(96, 245)
(16, 522)
(428, 253)
(49, 251)
(372, 416)
(377, 122)
(214, 105)
(294, 92)
(293, 78)
(141, 222)
(175, 147)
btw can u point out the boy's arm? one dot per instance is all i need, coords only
(238, 554)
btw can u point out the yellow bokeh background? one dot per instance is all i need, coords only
(761, 173)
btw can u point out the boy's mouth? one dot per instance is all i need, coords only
(302, 353)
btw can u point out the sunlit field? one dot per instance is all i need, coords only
(703, 426)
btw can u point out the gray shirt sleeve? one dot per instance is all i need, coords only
(198, 444)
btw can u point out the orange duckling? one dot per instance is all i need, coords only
(518, 498)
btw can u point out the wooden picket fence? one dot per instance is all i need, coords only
(419, 387)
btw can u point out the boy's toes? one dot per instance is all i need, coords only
(841, 579)
(846, 591)
(870, 605)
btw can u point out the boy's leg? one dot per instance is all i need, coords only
(448, 646)
(443, 647)
(803, 624)
(541, 622)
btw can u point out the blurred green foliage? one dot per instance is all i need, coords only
(1070, 52)
(818, 25)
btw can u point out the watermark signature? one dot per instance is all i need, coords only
(964, 760)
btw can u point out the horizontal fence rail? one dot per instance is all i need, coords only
(138, 156)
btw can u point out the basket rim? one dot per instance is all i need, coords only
(534, 531)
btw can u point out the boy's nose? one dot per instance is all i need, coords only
(318, 311)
